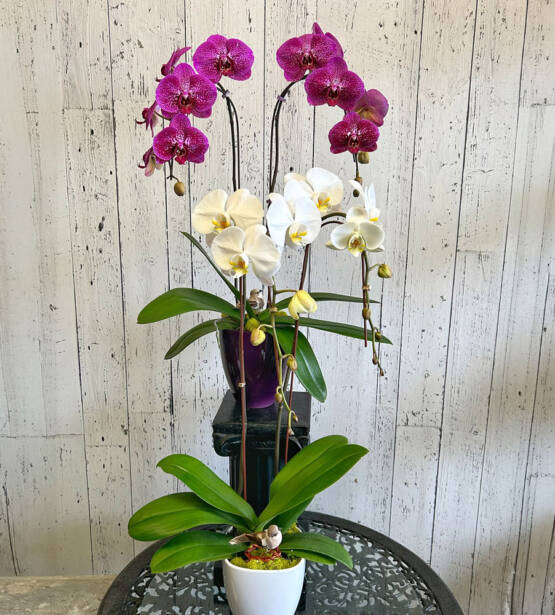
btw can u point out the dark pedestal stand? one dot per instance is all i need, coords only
(261, 427)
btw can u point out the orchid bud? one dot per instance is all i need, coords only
(377, 335)
(278, 397)
(301, 303)
(384, 271)
(257, 336)
(363, 157)
(251, 324)
(366, 313)
(179, 188)
(292, 363)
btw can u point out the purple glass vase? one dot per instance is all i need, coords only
(260, 368)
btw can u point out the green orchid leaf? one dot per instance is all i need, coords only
(313, 557)
(281, 305)
(183, 300)
(200, 248)
(305, 456)
(208, 486)
(318, 544)
(308, 370)
(175, 513)
(191, 547)
(289, 517)
(340, 328)
(311, 478)
(193, 334)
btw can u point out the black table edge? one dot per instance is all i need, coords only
(113, 600)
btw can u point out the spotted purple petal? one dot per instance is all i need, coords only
(373, 106)
(186, 92)
(338, 49)
(181, 141)
(168, 67)
(150, 118)
(306, 52)
(219, 56)
(354, 134)
(334, 84)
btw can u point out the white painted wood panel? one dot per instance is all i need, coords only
(461, 427)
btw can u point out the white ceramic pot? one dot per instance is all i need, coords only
(272, 592)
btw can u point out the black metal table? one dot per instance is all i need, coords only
(387, 579)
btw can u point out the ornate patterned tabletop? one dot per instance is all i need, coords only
(387, 579)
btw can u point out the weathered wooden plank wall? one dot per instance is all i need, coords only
(461, 429)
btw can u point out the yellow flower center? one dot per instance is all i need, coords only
(356, 243)
(239, 265)
(323, 202)
(220, 222)
(297, 236)
(374, 219)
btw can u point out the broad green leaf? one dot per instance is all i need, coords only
(175, 513)
(308, 371)
(304, 457)
(182, 300)
(318, 544)
(193, 334)
(289, 517)
(340, 328)
(281, 305)
(191, 547)
(199, 247)
(313, 557)
(311, 479)
(208, 486)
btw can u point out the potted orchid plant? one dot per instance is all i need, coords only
(259, 330)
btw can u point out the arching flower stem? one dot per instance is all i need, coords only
(235, 139)
(274, 133)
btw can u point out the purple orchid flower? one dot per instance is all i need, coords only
(220, 56)
(150, 162)
(354, 134)
(307, 52)
(186, 92)
(334, 84)
(149, 117)
(181, 141)
(167, 68)
(317, 30)
(373, 106)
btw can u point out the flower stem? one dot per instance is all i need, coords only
(293, 352)
(375, 355)
(243, 384)
(274, 133)
(235, 140)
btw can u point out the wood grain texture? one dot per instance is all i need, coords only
(460, 429)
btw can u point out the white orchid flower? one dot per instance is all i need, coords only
(296, 225)
(369, 198)
(235, 251)
(323, 187)
(357, 234)
(218, 211)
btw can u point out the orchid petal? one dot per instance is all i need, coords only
(245, 209)
(357, 215)
(289, 176)
(210, 208)
(339, 237)
(226, 246)
(278, 219)
(308, 215)
(296, 189)
(373, 235)
(262, 252)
